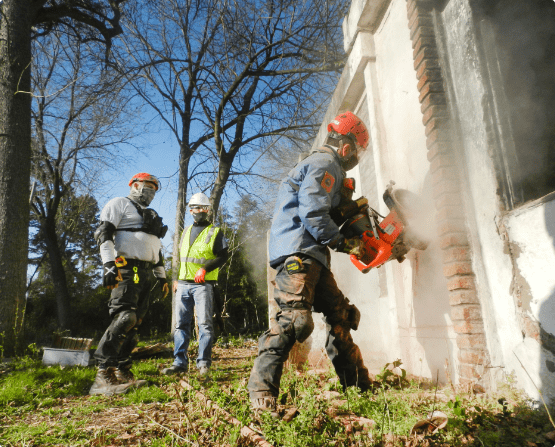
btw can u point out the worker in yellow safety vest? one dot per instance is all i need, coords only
(203, 250)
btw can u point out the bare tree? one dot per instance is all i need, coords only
(230, 77)
(277, 66)
(81, 114)
(20, 21)
(168, 41)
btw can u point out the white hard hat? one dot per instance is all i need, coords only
(199, 199)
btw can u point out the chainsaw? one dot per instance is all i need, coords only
(384, 238)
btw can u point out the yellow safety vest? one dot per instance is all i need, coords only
(195, 256)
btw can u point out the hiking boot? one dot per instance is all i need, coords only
(106, 383)
(174, 369)
(268, 403)
(204, 371)
(124, 375)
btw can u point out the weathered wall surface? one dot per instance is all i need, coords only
(512, 252)
(405, 307)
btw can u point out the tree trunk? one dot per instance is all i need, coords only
(58, 273)
(15, 166)
(184, 156)
(224, 168)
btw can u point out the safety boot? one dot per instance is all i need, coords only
(106, 383)
(267, 403)
(174, 369)
(124, 375)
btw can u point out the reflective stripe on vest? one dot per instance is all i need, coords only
(195, 256)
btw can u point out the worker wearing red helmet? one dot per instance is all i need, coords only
(301, 234)
(129, 237)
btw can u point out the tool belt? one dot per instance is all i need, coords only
(138, 263)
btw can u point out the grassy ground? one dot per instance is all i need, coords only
(49, 406)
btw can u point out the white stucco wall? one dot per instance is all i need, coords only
(531, 231)
(527, 232)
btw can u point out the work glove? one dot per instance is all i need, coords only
(352, 246)
(111, 275)
(199, 277)
(162, 287)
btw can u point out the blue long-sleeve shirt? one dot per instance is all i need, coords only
(302, 222)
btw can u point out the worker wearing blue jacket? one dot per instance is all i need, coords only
(301, 234)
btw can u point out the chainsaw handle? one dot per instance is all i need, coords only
(360, 265)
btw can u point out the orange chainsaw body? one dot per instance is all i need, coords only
(379, 251)
(389, 238)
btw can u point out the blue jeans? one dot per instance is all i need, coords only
(187, 297)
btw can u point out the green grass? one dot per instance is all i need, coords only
(30, 391)
(34, 384)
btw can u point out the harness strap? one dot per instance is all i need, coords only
(136, 205)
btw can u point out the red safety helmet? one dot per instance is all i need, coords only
(350, 125)
(145, 177)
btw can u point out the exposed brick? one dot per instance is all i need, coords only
(453, 240)
(457, 268)
(461, 282)
(436, 123)
(462, 296)
(419, 13)
(445, 173)
(420, 5)
(471, 356)
(471, 341)
(466, 312)
(430, 87)
(433, 99)
(469, 371)
(468, 327)
(429, 76)
(451, 226)
(434, 112)
(456, 254)
(421, 31)
(440, 162)
(438, 135)
(425, 66)
(426, 57)
(447, 186)
(531, 328)
(423, 42)
(424, 24)
(449, 212)
(438, 149)
(412, 6)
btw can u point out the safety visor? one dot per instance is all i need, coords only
(199, 207)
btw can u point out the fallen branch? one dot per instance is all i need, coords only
(170, 430)
(246, 432)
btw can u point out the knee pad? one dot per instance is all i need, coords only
(125, 321)
(303, 324)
